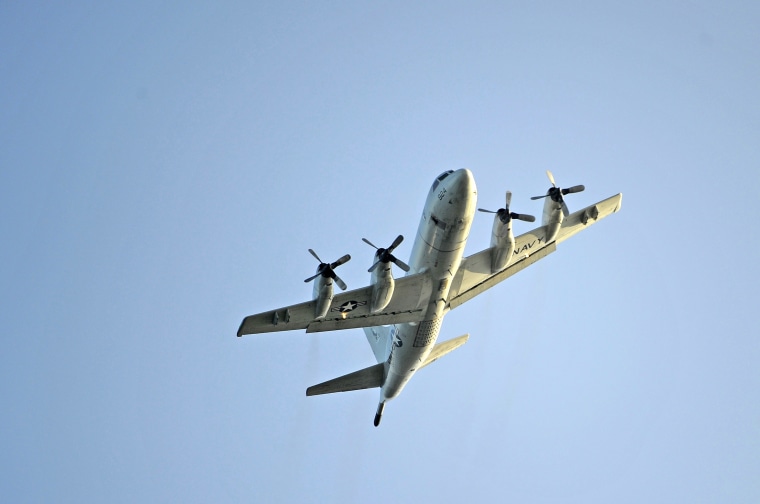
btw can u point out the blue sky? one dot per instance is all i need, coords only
(164, 170)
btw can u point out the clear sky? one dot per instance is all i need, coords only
(164, 169)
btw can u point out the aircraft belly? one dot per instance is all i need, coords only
(440, 258)
(411, 346)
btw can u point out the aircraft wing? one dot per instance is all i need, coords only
(474, 275)
(348, 310)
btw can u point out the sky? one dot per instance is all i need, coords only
(165, 167)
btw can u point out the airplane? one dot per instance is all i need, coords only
(402, 317)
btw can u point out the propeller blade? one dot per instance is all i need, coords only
(342, 260)
(574, 189)
(509, 199)
(551, 178)
(315, 255)
(539, 197)
(523, 217)
(369, 243)
(395, 243)
(565, 211)
(340, 282)
(401, 264)
(385, 256)
(486, 211)
(312, 277)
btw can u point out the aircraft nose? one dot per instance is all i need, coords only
(462, 184)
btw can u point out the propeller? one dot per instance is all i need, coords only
(385, 255)
(556, 193)
(327, 270)
(505, 215)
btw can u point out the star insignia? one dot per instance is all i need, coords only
(349, 306)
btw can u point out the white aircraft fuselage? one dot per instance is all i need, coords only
(437, 251)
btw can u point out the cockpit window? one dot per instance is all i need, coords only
(441, 177)
(444, 175)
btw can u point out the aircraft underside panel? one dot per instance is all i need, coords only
(471, 282)
(427, 332)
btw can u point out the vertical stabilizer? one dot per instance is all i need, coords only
(379, 338)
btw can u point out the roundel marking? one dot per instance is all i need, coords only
(349, 306)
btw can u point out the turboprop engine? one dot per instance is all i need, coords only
(555, 209)
(323, 287)
(382, 276)
(502, 238)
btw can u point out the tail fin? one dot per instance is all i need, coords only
(379, 338)
(370, 377)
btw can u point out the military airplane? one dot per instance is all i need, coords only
(402, 317)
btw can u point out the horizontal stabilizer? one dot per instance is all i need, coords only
(442, 349)
(370, 377)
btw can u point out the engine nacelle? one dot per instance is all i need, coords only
(323, 294)
(552, 218)
(502, 243)
(382, 287)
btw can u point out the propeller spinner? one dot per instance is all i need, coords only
(385, 255)
(505, 215)
(327, 270)
(557, 194)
